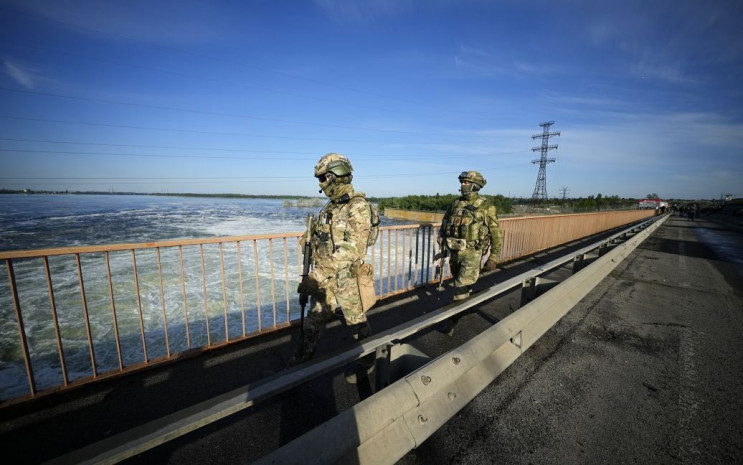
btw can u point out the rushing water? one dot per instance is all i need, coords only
(46, 221)
(43, 221)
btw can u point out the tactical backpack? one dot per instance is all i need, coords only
(374, 213)
(365, 271)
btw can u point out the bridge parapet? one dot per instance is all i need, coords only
(86, 313)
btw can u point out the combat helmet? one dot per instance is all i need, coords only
(332, 171)
(334, 163)
(478, 182)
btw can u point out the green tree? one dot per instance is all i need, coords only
(438, 202)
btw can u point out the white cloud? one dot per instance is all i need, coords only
(185, 21)
(26, 77)
(362, 11)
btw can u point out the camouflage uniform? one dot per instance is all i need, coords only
(339, 238)
(471, 225)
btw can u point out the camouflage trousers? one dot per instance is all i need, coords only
(343, 292)
(465, 267)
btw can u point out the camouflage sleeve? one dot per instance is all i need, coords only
(444, 220)
(496, 234)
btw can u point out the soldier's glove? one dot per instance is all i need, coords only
(308, 286)
(491, 265)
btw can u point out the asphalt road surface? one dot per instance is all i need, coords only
(648, 368)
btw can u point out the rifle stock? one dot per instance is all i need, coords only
(306, 262)
(443, 254)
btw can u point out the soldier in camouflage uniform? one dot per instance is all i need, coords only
(470, 228)
(339, 238)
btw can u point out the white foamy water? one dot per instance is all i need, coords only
(46, 221)
(41, 221)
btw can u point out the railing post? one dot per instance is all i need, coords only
(162, 301)
(139, 307)
(21, 328)
(113, 313)
(87, 317)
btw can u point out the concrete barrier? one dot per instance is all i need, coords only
(397, 419)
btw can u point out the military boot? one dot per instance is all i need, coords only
(447, 326)
(309, 345)
(302, 355)
(461, 293)
(365, 365)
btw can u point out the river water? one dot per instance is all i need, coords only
(43, 221)
(47, 221)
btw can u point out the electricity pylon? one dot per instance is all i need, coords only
(539, 196)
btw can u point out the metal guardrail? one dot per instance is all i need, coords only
(403, 414)
(115, 308)
(400, 417)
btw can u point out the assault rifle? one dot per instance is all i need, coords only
(443, 255)
(306, 261)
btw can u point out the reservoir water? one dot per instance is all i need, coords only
(43, 221)
(48, 221)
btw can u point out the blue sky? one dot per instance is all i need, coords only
(245, 96)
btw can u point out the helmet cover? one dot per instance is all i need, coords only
(474, 177)
(334, 163)
(332, 171)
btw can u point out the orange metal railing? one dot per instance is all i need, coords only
(114, 308)
(528, 235)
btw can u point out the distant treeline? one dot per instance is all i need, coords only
(437, 203)
(599, 202)
(591, 203)
(506, 205)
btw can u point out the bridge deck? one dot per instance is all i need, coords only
(646, 368)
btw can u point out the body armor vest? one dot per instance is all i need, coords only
(332, 227)
(465, 223)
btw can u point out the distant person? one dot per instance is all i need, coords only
(339, 238)
(692, 212)
(470, 230)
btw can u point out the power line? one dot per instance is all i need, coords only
(217, 149)
(223, 178)
(230, 115)
(252, 66)
(194, 77)
(155, 128)
(215, 133)
(205, 112)
(226, 157)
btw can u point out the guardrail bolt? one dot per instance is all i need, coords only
(455, 360)
(452, 395)
(422, 419)
(426, 380)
